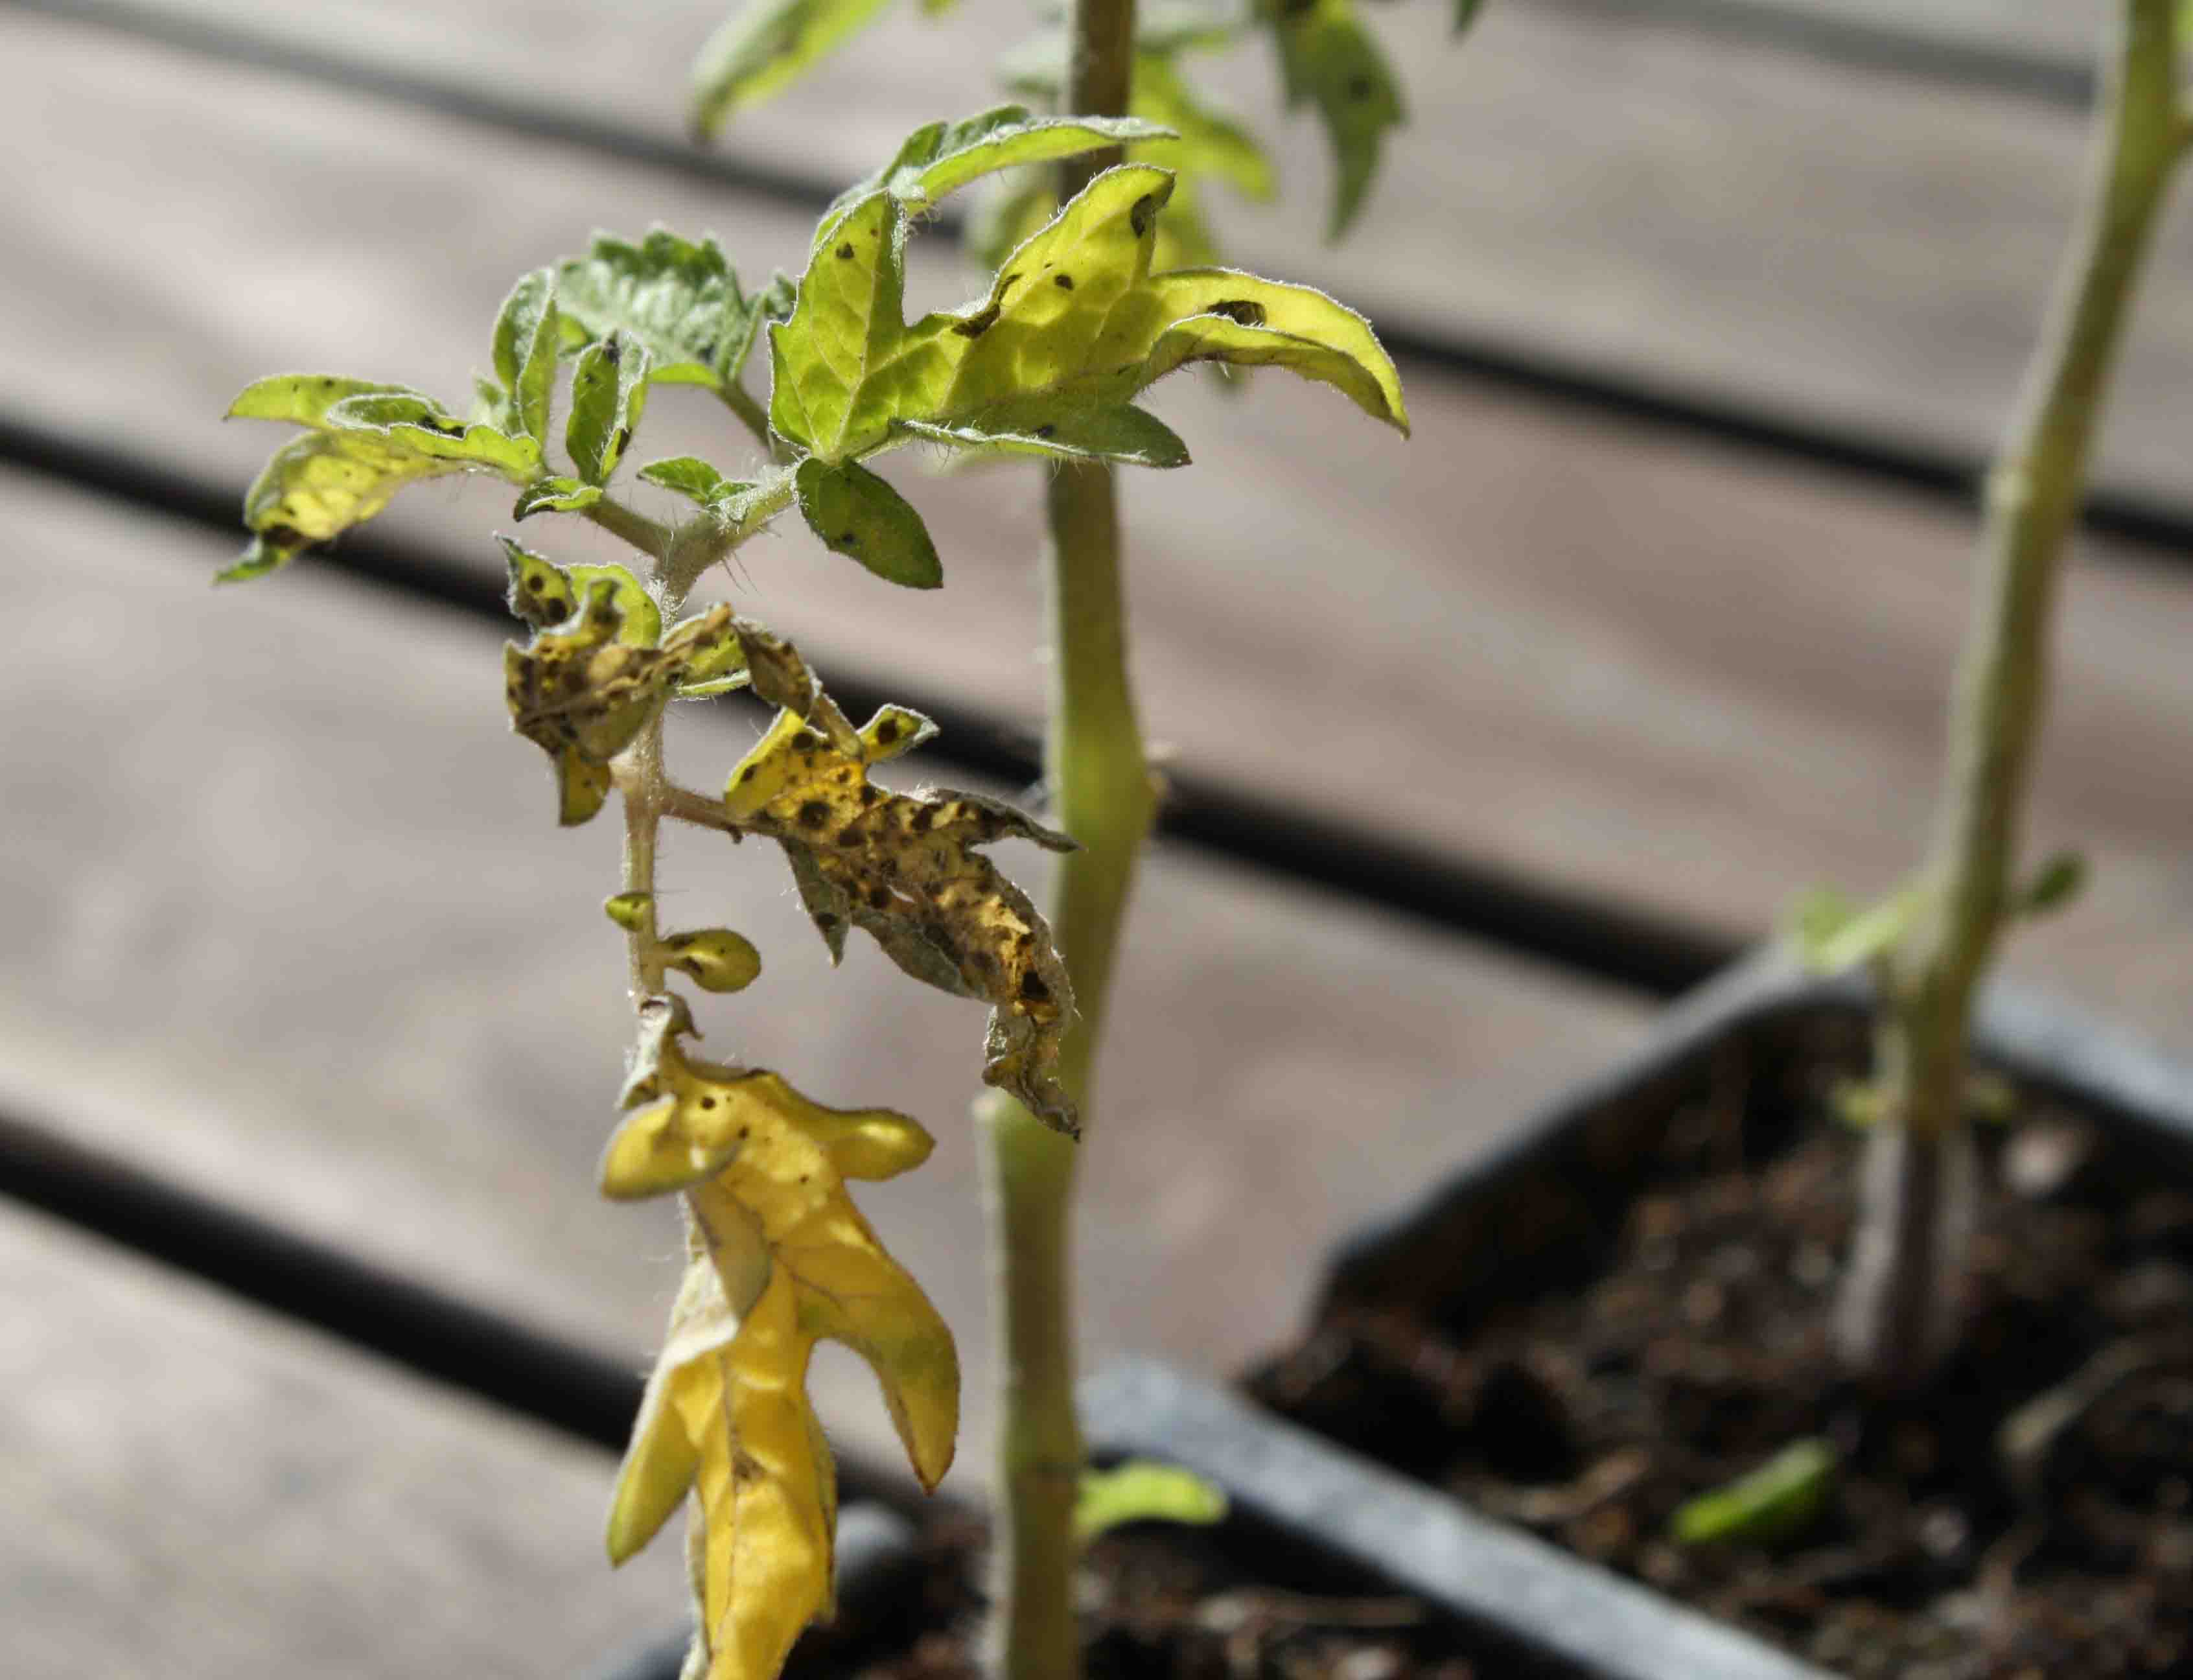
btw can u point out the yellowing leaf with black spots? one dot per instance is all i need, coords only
(1073, 323)
(905, 869)
(846, 363)
(717, 959)
(1328, 59)
(544, 594)
(860, 516)
(584, 690)
(785, 1259)
(555, 493)
(368, 442)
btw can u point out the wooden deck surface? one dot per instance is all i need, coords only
(286, 918)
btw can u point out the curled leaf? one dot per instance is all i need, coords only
(584, 689)
(717, 959)
(786, 1259)
(368, 441)
(905, 869)
(609, 391)
(527, 336)
(554, 493)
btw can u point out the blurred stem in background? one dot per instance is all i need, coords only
(1101, 786)
(1904, 1294)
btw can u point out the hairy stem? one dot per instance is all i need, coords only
(1901, 1314)
(650, 537)
(1100, 783)
(640, 782)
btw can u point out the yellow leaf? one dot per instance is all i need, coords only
(785, 1260)
(905, 868)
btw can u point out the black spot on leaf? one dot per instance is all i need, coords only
(1143, 213)
(1063, 282)
(845, 252)
(813, 814)
(1246, 311)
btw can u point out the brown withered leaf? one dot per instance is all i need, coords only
(904, 866)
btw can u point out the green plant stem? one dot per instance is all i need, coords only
(1102, 789)
(1903, 1295)
(629, 525)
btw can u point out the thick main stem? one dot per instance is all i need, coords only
(1101, 784)
(1903, 1295)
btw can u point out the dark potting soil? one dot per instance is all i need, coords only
(1685, 1342)
(1159, 1602)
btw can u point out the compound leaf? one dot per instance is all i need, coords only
(609, 391)
(368, 442)
(860, 516)
(1074, 321)
(1328, 59)
(905, 869)
(527, 338)
(763, 46)
(939, 158)
(680, 299)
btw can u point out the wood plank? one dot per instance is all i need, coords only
(196, 1491)
(1601, 657)
(1622, 189)
(290, 922)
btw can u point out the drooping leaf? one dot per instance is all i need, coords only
(1329, 59)
(905, 868)
(1776, 1501)
(860, 516)
(527, 338)
(609, 391)
(939, 158)
(1141, 1490)
(763, 47)
(787, 1260)
(368, 442)
(680, 299)
(555, 493)
(583, 689)
(1073, 322)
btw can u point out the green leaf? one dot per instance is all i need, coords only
(858, 515)
(2055, 884)
(609, 391)
(527, 337)
(556, 493)
(369, 442)
(1328, 59)
(1126, 434)
(680, 299)
(1074, 321)
(939, 158)
(1775, 1502)
(1141, 1490)
(691, 476)
(764, 46)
